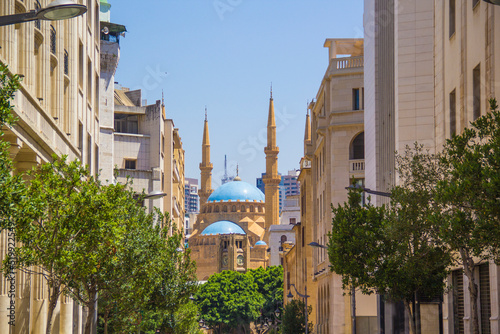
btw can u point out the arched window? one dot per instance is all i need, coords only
(233, 208)
(224, 208)
(283, 238)
(216, 209)
(357, 149)
(251, 208)
(209, 209)
(243, 209)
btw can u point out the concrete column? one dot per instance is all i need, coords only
(39, 300)
(22, 302)
(66, 314)
(4, 286)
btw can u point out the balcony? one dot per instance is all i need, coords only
(357, 166)
(346, 65)
(176, 173)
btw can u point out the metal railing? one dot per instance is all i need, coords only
(66, 62)
(53, 40)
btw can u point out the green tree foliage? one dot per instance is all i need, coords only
(393, 250)
(469, 196)
(293, 318)
(358, 243)
(229, 300)
(270, 286)
(11, 187)
(177, 282)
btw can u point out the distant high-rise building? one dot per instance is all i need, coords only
(191, 198)
(288, 185)
(226, 178)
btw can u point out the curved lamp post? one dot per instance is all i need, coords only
(56, 10)
(305, 296)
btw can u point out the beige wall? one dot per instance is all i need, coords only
(50, 106)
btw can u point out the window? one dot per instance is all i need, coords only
(452, 14)
(80, 136)
(224, 208)
(283, 239)
(357, 150)
(89, 150)
(243, 208)
(96, 160)
(80, 65)
(476, 92)
(233, 208)
(356, 99)
(126, 123)
(130, 163)
(292, 221)
(484, 298)
(457, 278)
(453, 113)
(89, 80)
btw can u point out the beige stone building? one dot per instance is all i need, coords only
(57, 110)
(430, 67)
(233, 227)
(333, 156)
(148, 148)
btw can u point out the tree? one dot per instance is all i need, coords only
(270, 286)
(469, 197)
(176, 283)
(11, 186)
(229, 300)
(293, 318)
(392, 250)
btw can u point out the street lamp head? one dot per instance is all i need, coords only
(315, 244)
(155, 194)
(61, 10)
(289, 296)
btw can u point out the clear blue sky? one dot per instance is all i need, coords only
(224, 54)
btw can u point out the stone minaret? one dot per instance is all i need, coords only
(205, 166)
(271, 179)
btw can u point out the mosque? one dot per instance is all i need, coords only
(232, 229)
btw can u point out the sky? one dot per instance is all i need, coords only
(225, 55)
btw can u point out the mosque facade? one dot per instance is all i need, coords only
(232, 229)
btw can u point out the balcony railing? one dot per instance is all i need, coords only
(357, 166)
(348, 62)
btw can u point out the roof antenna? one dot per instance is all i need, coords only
(205, 113)
(271, 90)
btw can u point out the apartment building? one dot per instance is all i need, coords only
(57, 110)
(430, 68)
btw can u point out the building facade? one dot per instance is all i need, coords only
(333, 158)
(430, 68)
(57, 111)
(147, 148)
(232, 229)
(191, 198)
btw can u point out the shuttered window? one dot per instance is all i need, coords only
(484, 297)
(458, 301)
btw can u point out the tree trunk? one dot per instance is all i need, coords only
(106, 317)
(54, 293)
(408, 307)
(91, 311)
(469, 264)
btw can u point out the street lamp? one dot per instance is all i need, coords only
(305, 296)
(315, 244)
(493, 2)
(56, 10)
(155, 194)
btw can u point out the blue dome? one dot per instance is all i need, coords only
(222, 227)
(260, 243)
(237, 190)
